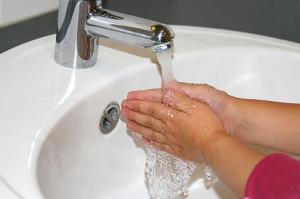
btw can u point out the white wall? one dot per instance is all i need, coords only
(12, 11)
(0, 12)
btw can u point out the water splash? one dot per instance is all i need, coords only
(167, 176)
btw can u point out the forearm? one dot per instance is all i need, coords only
(270, 124)
(232, 161)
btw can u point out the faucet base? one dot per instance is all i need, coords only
(75, 48)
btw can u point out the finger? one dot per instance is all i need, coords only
(142, 119)
(216, 99)
(149, 95)
(180, 101)
(195, 91)
(154, 109)
(181, 87)
(147, 133)
(146, 140)
(164, 147)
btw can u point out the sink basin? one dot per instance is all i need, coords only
(50, 137)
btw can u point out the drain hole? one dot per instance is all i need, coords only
(114, 113)
(110, 118)
(107, 124)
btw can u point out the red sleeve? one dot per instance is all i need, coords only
(277, 176)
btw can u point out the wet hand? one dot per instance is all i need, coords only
(219, 101)
(181, 125)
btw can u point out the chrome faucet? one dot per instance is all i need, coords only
(82, 22)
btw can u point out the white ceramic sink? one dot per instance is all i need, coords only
(51, 146)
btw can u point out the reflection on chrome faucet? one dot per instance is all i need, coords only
(82, 22)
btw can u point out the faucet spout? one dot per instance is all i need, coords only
(129, 29)
(82, 22)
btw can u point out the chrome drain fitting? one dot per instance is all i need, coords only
(110, 118)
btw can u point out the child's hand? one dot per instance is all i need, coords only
(181, 125)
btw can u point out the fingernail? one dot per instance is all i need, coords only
(123, 119)
(124, 103)
(129, 104)
(131, 95)
(124, 115)
(131, 126)
(151, 142)
(146, 140)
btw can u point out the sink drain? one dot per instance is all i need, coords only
(110, 118)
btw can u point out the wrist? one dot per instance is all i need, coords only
(217, 139)
(229, 113)
(224, 106)
(211, 142)
(233, 118)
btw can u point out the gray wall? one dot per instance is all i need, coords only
(276, 18)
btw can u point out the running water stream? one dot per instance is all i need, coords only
(167, 176)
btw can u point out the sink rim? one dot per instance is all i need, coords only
(42, 125)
